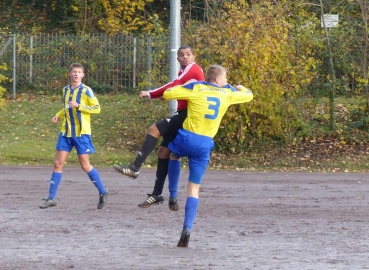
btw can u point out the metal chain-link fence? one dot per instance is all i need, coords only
(122, 63)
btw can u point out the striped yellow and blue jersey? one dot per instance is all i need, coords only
(207, 104)
(77, 121)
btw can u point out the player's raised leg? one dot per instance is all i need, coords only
(133, 169)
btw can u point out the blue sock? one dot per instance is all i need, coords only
(95, 178)
(54, 184)
(190, 212)
(174, 169)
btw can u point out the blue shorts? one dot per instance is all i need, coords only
(82, 144)
(197, 148)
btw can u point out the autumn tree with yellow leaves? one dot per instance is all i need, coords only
(2, 89)
(257, 48)
(126, 16)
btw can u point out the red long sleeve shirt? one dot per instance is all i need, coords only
(192, 71)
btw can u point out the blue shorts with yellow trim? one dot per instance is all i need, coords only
(197, 148)
(82, 144)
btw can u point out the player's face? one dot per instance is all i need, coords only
(185, 57)
(222, 79)
(76, 75)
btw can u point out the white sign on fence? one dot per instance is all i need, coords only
(330, 20)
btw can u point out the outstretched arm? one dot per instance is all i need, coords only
(242, 94)
(191, 72)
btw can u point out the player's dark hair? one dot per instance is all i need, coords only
(213, 72)
(76, 65)
(183, 47)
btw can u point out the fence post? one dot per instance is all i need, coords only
(149, 47)
(14, 67)
(6, 46)
(30, 58)
(175, 41)
(134, 61)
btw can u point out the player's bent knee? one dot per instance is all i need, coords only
(86, 166)
(154, 131)
(163, 152)
(195, 178)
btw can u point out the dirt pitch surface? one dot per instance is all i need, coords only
(245, 220)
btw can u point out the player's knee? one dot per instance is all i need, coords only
(193, 189)
(154, 131)
(163, 152)
(174, 157)
(86, 167)
(58, 164)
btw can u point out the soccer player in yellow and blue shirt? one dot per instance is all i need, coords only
(207, 103)
(79, 102)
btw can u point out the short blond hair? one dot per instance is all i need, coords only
(213, 72)
(76, 65)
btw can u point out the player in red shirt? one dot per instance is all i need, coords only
(167, 128)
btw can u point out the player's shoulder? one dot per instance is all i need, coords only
(196, 66)
(87, 90)
(196, 71)
(84, 86)
(230, 87)
(193, 66)
(191, 85)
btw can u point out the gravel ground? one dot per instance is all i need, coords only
(245, 220)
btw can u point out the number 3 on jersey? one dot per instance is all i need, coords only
(213, 106)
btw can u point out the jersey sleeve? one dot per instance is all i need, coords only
(241, 96)
(60, 114)
(182, 92)
(192, 71)
(89, 102)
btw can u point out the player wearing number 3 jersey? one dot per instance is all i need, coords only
(167, 128)
(207, 103)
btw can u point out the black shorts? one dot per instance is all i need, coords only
(169, 127)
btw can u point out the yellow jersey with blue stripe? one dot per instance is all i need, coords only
(77, 121)
(207, 104)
